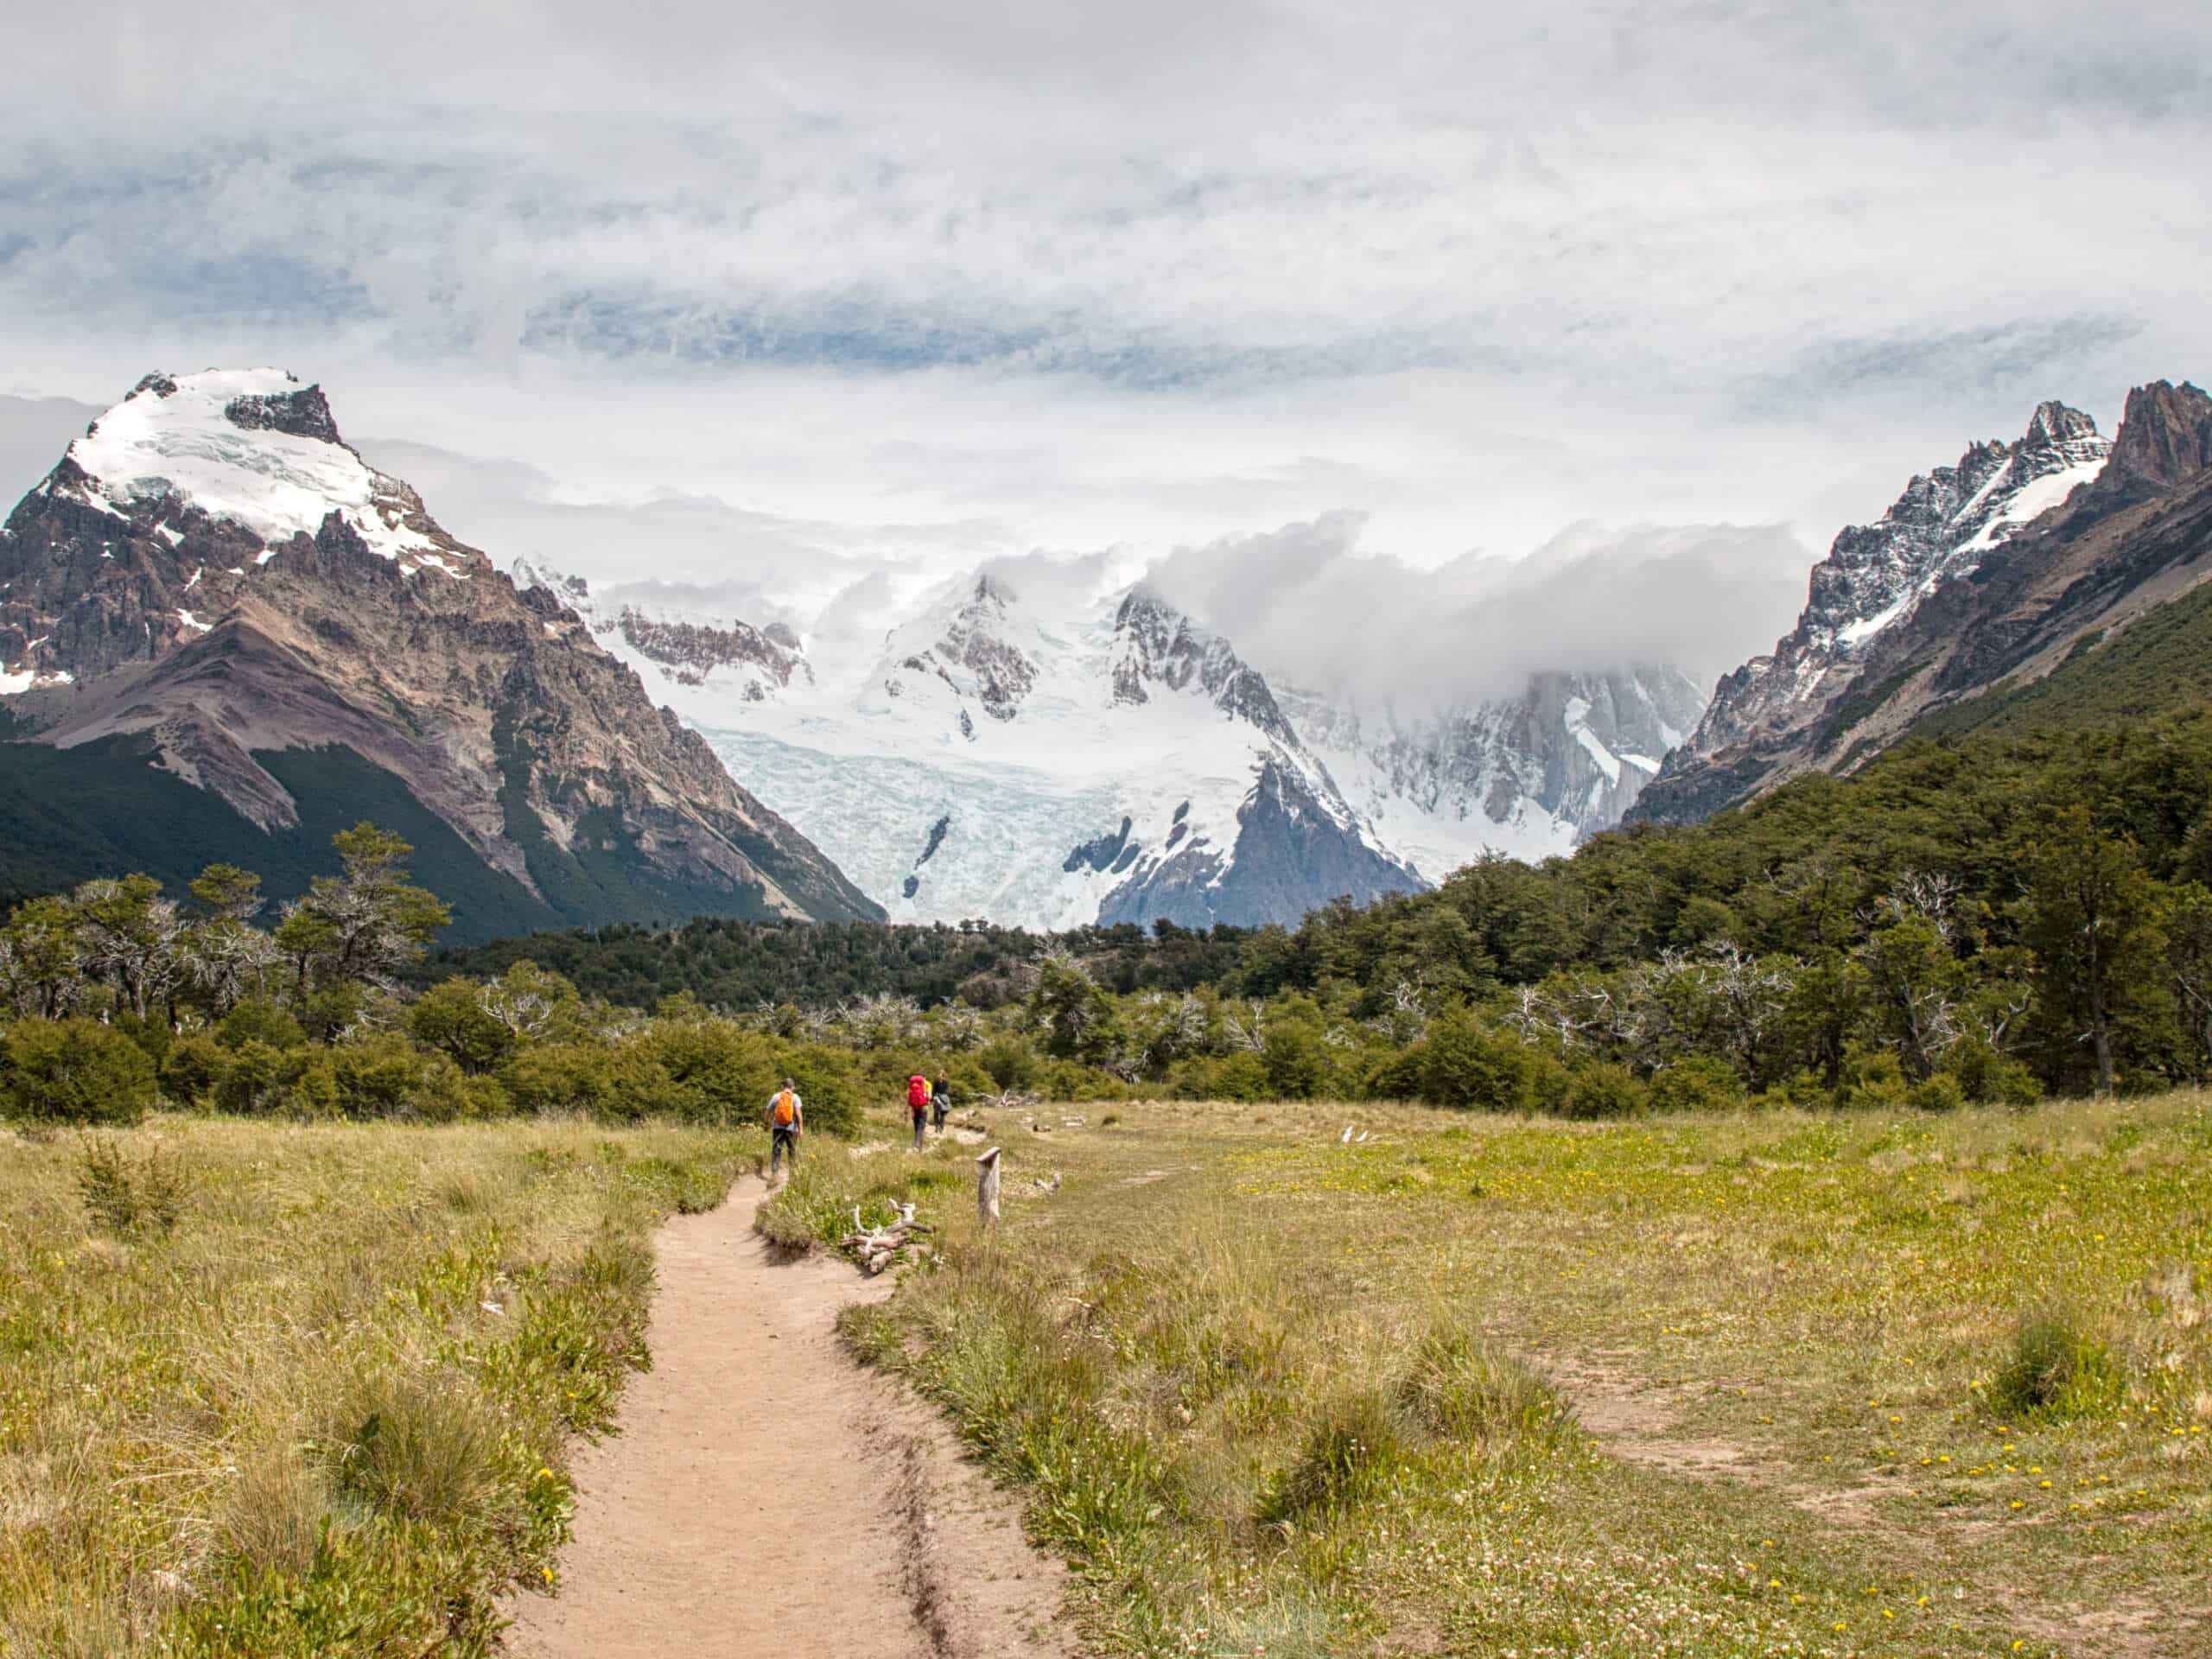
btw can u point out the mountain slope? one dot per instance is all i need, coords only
(1985, 574)
(211, 577)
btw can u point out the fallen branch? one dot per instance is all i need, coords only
(877, 1248)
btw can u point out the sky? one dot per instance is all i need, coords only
(809, 305)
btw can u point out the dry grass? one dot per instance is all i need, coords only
(270, 1389)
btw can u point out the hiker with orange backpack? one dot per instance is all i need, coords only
(786, 1120)
(917, 1103)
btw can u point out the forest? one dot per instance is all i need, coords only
(1990, 918)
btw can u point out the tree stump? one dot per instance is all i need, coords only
(987, 1189)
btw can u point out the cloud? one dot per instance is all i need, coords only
(1309, 607)
(812, 306)
(33, 432)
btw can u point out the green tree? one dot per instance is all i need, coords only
(2092, 919)
(42, 959)
(364, 927)
(450, 1018)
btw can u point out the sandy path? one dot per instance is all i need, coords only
(767, 1497)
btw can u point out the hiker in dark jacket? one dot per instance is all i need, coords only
(940, 1104)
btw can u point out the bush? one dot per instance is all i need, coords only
(258, 1020)
(194, 1069)
(131, 1197)
(378, 1075)
(1603, 1090)
(1011, 1065)
(251, 1083)
(717, 1071)
(449, 1017)
(1873, 1082)
(1940, 1093)
(1989, 1078)
(2055, 1371)
(1696, 1082)
(1466, 1064)
(75, 1071)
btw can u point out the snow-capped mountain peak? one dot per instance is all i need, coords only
(1155, 646)
(1945, 524)
(251, 448)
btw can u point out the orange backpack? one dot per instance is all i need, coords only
(786, 1111)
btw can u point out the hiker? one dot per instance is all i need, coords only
(786, 1119)
(940, 1104)
(917, 1103)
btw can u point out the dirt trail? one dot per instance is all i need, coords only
(767, 1497)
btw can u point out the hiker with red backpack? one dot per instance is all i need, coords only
(918, 1103)
(786, 1120)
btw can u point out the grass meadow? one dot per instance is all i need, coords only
(1893, 1385)
(1762, 1384)
(276, 1389)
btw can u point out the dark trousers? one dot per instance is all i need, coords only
(921, 1123)
(781, 1142)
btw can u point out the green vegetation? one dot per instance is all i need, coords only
(1988, 921)
(2160, 662)
(1862, 1385)
(277, 1390)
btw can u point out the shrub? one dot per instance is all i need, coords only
(717, 1071)
(194, 1069)
(1467, 1064)
(561, 1078)
(131, 1197)
(2055, 1371)
(378, 1075)
(259, 1019)
(1011, 1065)
(1603, 1090)
(1697, 1082)
(1873, 1082)
(1989, 1079)
(450, 1018)
(251, 1082)
(75, 1071)
(1940, 1093)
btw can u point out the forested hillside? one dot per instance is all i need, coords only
(2010, 912)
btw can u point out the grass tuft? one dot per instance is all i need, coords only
(2056, 1372)
(1356, 1442)
(1464, 1389)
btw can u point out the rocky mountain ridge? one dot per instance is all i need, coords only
(1980, 575)
(211, 577)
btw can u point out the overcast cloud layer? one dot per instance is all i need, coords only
(793, 302)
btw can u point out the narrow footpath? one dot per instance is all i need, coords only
(767, 1496)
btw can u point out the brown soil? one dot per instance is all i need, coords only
(767, 1497)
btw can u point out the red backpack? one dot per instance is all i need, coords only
(917, 1093)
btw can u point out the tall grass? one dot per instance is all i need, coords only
(279, 1390)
